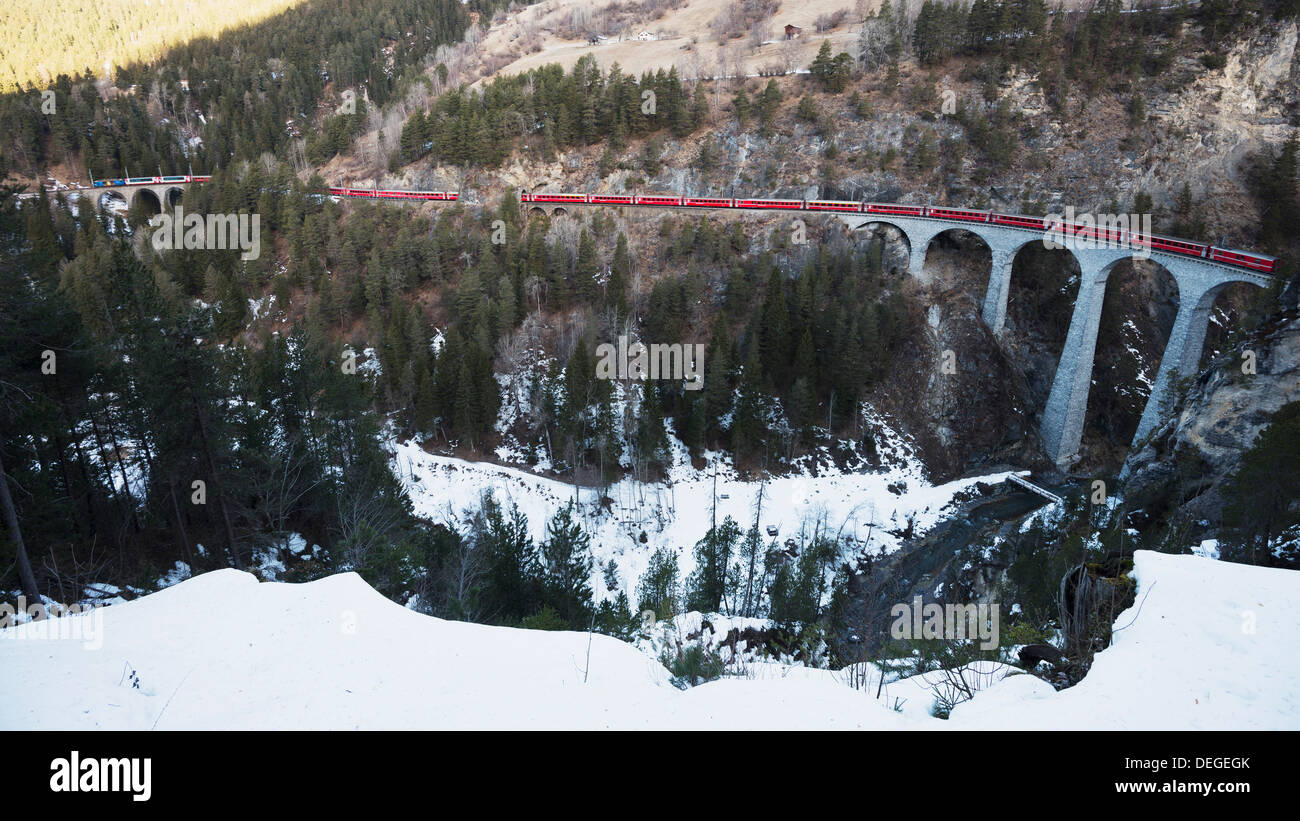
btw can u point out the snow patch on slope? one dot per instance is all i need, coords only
(862, 509)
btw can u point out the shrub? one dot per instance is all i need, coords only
(693, 666)
(545, 619)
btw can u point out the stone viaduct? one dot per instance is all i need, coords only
(1199, 282)
(167, 194)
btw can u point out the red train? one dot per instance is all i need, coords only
(1261, 263)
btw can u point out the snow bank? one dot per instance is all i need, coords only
(223, 651)
(1208, 645)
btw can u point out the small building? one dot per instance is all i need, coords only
(791, 32)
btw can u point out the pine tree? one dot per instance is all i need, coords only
(396, 351)
(699, 108)
(620, 274)
(1276, 190)
(651, 433)
(513, 587)
(822, 64)
(659, 589)
(797, 588)
(706, 158)
(748, 425)
(1261, 496)
(615, 618)
(567, 552)
(769, 104)
(425, 402)
(709, 589)
(717, 376)
(807, 110)
(741, 106)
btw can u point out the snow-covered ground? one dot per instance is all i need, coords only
(1208, 645)
(862, 509)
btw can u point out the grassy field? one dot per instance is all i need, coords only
(42, 39)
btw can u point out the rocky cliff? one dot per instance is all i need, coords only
(1196, 451)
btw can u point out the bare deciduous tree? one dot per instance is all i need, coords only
(873, 43)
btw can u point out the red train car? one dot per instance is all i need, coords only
(958, 214)
(891, 208)
(1244, 259)
(789, 205)
(707, 202)
(834, 205)
(611, 199)
(1021, 221)
(1107, 234)
(657, 199)
(1169, 245)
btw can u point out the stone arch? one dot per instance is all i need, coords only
(100, 197)
(1199, 284)
(888, 223)
(174, 195)
(953, 231)
(1222, 318)
(1198, 288)
(536, 211)
(148, 199)
(559, 212)
(1063, 415)
(1008, 248)
(1031, 295)
(1139, 307)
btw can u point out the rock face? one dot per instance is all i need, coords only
(1225, 409)
(1209, 126)
(1232, 407)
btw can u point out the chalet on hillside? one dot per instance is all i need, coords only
(791, 32)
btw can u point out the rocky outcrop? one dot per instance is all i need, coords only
(1223, 412)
